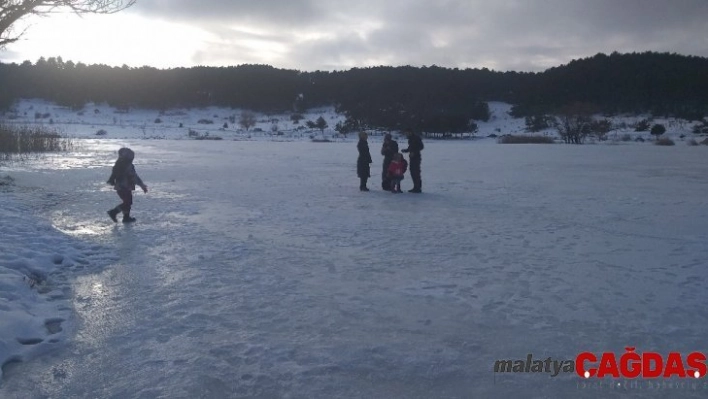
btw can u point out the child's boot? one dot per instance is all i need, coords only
(113, 213)
(127, 218)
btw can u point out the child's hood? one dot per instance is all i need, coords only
(126, 153)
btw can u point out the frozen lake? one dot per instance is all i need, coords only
(257, 269)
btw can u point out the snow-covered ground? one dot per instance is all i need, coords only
(102, 121)
(257, 269)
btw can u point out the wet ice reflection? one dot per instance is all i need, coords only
(98, 304)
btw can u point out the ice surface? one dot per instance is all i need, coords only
(257, 269)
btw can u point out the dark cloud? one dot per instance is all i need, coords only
(500, 34)
(276, 12)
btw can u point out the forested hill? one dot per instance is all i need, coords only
(426, 98)
(659, 83)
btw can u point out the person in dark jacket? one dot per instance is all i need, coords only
(124, 178)
(415, 146)
(363, 168)
(388, 150)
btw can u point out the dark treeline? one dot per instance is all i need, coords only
(432, 99)
(661, 83)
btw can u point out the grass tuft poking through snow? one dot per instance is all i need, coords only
(21, 140)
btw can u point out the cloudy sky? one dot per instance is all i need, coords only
(308, 35)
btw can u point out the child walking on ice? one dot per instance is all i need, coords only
(396, 169)
(124, 178)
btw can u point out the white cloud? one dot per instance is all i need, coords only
(108, 39)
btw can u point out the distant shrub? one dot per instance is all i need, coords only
(296, 118)
(642, 126)
(158, 120)
(173, 113)
(601, 128)
(205, 121)
(320, 124)
(626, 137)
(639, 139)
(658, 130)
(510, 139)
(701, 128)
(665, 141)
(704, 142)
(692, 142)
(536, 123)
(247, 120)
(198, 136)
(6, 181)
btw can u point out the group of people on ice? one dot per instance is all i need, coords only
(124, 178)
(394, 165)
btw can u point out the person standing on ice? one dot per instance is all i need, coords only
(415, 146)
(388, 150)
(363, 168)
(396, 170)
(124, 178)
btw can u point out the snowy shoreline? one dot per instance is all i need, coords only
(101, 121)
(35, 298)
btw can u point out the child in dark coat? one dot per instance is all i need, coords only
(124, 178)
(396, 169)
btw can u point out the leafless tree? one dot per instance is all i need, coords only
(574, 122)
(247, 120)
(11, 11)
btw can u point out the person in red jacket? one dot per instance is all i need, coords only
(396, 169)
(124, 178)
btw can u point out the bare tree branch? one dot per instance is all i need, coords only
(12, 11)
